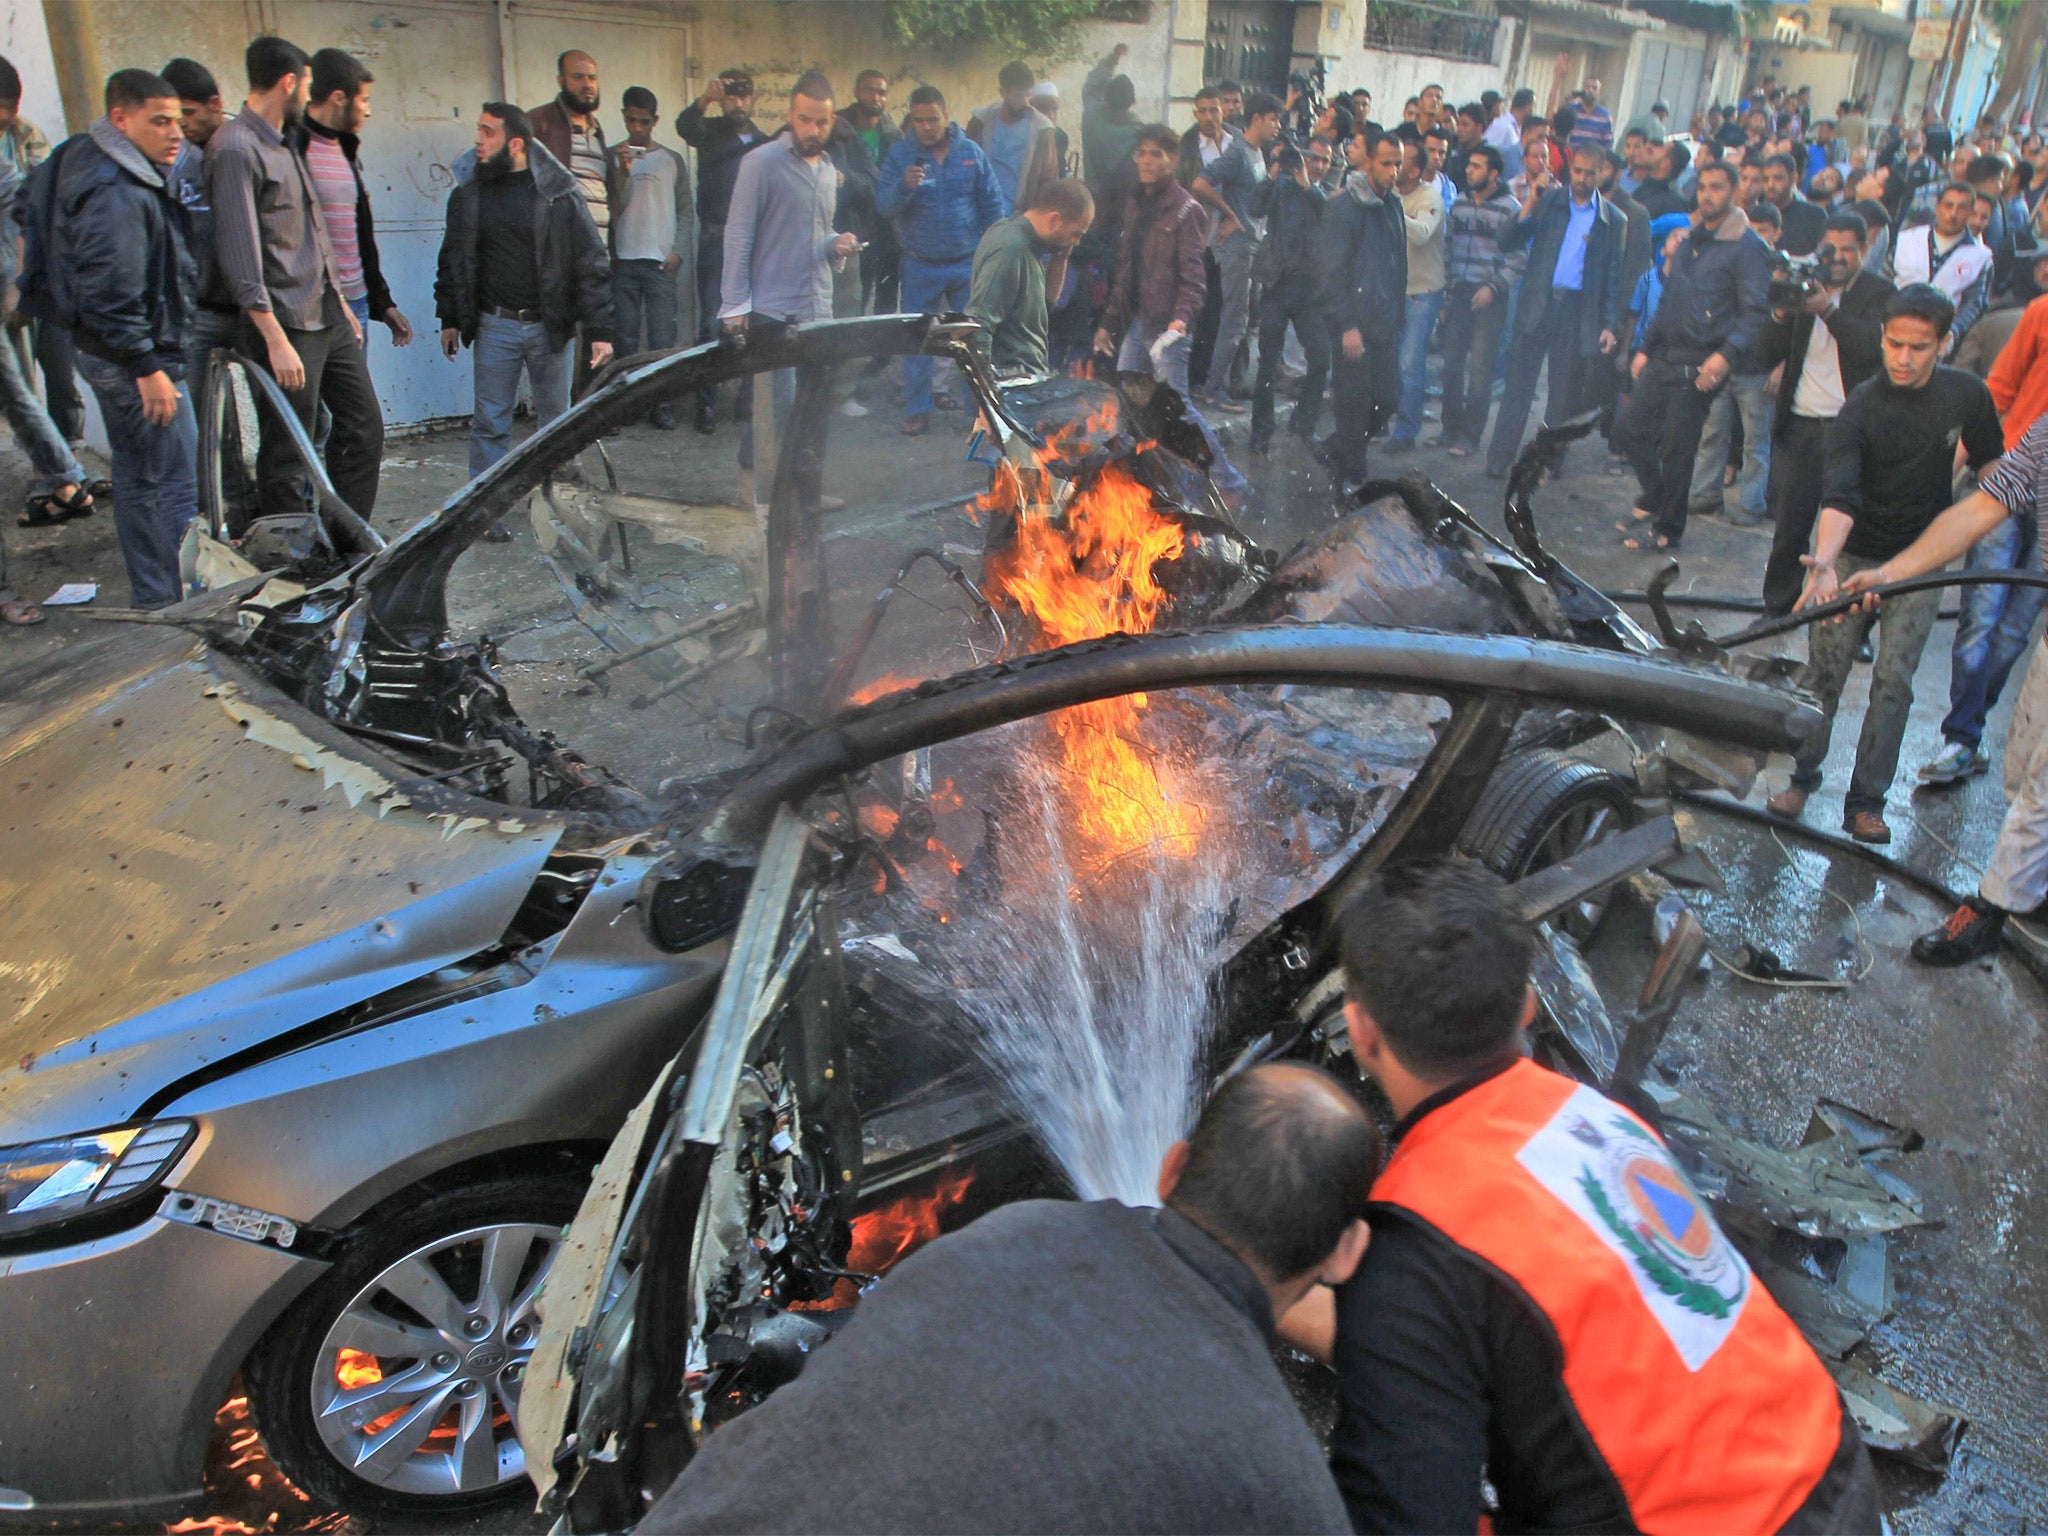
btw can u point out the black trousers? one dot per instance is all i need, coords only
(337, 377)
(710, 282)
(1660, 432)
(57, 356)
(1793, 492)
(1554, 343)
(1203, 347)
(1364, 392)
(1292, 301)
(1470, 339)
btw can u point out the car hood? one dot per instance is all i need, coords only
(195, 866)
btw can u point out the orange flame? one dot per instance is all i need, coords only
(353, 1368)
(1086, 575)
(894, 1231)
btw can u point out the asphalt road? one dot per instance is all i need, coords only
(1958, 1055)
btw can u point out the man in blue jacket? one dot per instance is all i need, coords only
(1708, 324)
(1569, 309)
(940, 189)
(120, 272)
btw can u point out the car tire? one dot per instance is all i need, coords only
(1541, 807)
(335, 1418)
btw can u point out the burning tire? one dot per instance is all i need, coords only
(391, 1388)
(1541, 807)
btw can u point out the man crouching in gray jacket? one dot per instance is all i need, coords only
(1058, 1366)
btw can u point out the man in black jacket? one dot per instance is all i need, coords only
(328, 138)
(1799, 222)
(521, 266)
(1569, 310)
(868, 116)
(1291, 283)
(1827, 348)
(1712, 313)
(1364, 256)
(720, 143)
(953, 1400)
(123, 279)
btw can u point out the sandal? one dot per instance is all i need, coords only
(50, 510)
(20, 615)
(1649, 543)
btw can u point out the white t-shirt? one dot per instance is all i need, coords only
(1819, 392)
(1504, 134)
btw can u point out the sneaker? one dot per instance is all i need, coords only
(663, 418)
(853, 408)
(707, 419)
(1956, 760)
(1867, 827)
(1971, 932)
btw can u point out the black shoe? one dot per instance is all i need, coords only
(498, 533)
(663, 418)
(1971, 932)
(707, 419)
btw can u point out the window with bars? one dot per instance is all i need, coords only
(1446, 30)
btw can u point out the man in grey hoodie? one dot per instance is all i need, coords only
(1019, 140)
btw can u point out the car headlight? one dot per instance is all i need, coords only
(42, 1182)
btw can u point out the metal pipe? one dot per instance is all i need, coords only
(1821, 611)
(684, 679)
(696, 626)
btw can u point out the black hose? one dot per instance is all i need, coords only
(1821, 611)
(1834, 842)
(1713, 600)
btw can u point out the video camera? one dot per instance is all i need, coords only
(1308, 105)
(1794, 280)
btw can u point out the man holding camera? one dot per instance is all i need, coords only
(1827, 337)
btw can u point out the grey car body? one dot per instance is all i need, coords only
(263, 891)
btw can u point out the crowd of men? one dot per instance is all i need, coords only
(1828, 316)
(1641, 276)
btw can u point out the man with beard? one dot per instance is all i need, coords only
(274, 262)
(1480, 276)
(522, 265)
(568, 126)
(780, 246)
(1366, 258)
(720, 142)
(327, 138)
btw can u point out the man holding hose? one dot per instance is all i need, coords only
(2016, 879)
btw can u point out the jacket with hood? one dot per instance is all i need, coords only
(1294, 224)
(569, 256)
(1606, 249)
(118, 247)
(377, 291)
(1171, 280)
(1365, 254)
(849, 152)
(942, 220)
(1716, 298)
(1041, 151)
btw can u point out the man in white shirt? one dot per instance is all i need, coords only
(1504, 133)
(1822, 352)
(1945, 254)
(648, 230)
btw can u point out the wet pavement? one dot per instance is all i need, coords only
(1959, 1055)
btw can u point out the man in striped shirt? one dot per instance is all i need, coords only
(568, 126)
(328, 138)
(2016, 879)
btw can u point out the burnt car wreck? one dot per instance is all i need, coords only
(787, 989)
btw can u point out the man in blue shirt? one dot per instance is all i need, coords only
(1569, 307)
(942, 193)
(1226, 185)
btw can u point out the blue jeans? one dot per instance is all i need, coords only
(1416, 330)
(502, 348)
(933, 288)
(48, 454)
(1992, 632)
(360, 308)
(1135, 356)
(156, 481)
(641, 291)
(782, 393)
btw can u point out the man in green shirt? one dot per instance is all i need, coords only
(1019, 261)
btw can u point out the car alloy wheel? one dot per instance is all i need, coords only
(416, 1385)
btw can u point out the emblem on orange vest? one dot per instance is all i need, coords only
(1620, 1181)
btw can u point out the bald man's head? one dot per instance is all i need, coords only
(1279, 1165)
(576, 74)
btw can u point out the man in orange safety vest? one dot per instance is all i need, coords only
(1547, 1305)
